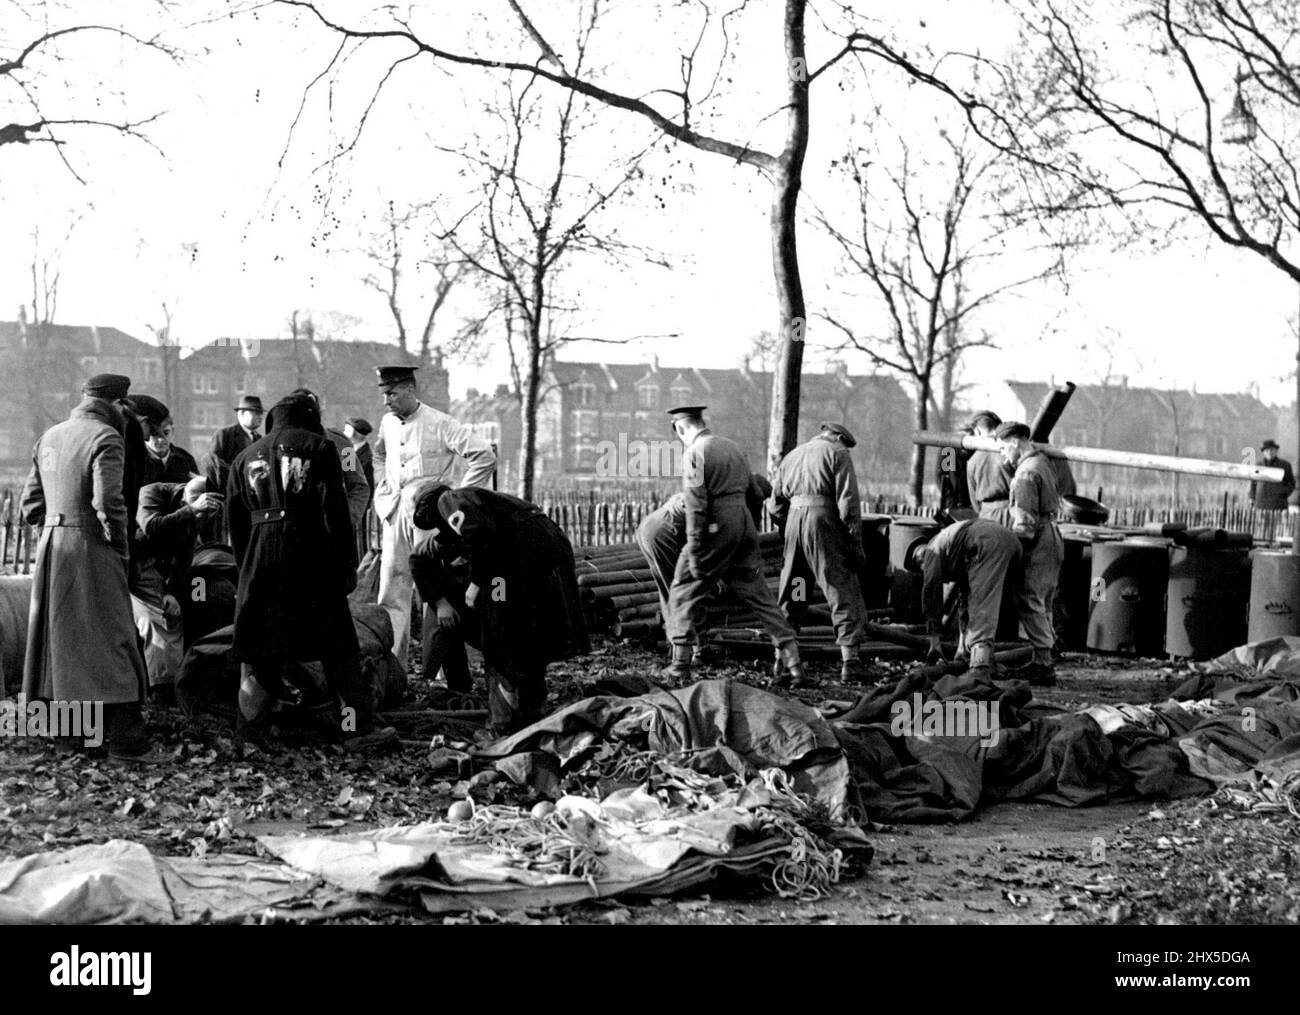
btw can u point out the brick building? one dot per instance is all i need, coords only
(42, 368)
(214, 378)
(587, 409)
(1218, 426)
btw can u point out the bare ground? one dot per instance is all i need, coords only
(1221, 859)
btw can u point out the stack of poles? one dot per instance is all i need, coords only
(619, 598)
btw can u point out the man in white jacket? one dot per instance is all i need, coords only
(416, 441)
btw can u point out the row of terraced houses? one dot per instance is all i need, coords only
(585, 407)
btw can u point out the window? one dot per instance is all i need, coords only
(584, 394)
(88, 364)
(261, 385)
(213, 387)
(583, 457)
(681, 395)
(151, 369)
(1220, 445)
(207, 416)
(241, 383)
(489, 431)
(648, 396)
(584, 423)
(196, 384)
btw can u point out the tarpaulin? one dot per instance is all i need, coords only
(122, 882)
(761, 729)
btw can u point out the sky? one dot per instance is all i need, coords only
(235, 226)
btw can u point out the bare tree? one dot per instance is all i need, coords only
(53, 74)
(930, 257)
(404, 250)
(535, 215)
(690, 95)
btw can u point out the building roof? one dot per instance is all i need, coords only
(1095, 398)
(94, 339)
(281, 350)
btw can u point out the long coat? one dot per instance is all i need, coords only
(523, 565)
(81, 639)
(293, 540)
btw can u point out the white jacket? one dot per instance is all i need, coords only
(425, 446)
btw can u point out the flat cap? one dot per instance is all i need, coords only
(842, 432)
(395, 375)
(110, 386)
(360, 425)
(1011, 431)
(150, 409)
(687, 411)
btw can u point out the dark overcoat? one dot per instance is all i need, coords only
(292, 536)
(81, 638)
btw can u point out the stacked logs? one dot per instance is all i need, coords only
(619, 595)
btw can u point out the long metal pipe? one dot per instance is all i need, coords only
(1103, 456)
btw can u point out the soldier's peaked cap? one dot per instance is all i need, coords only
(395, 375)
(687, 411)
(842, 432)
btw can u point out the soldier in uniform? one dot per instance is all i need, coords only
(662, 534)
(816, 493)
(987, 473)
(978, 554)
(288, 516)
(415, 441)
(721, 550)
(1033, 505)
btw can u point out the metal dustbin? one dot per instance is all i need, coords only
(874, 577)
(1126, 596)
(1071, 620)
(905, 587)
(1274, 594)
(1209, 597)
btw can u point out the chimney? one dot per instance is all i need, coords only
(94, 337)
(654, 362)
(22, 325)
(503, 391)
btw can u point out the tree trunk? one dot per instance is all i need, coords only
(918, 450)
(528, 406)
(783, 432)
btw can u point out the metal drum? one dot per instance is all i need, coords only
(906, 530)
(1209, 597)
(1274, 594)
(1071, 620)
(874, 577)
(1126, 596)
(905, 591)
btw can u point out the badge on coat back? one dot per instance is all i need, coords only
(293, 473)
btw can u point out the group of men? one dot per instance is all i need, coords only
(702, 545)
(1014, 539)
(143, 551)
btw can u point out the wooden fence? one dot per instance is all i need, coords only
(589, 519)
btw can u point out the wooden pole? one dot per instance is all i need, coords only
(1103, 456)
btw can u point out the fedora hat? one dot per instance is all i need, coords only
(250, 402)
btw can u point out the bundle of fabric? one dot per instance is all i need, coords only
(629, 843)
(722, 725)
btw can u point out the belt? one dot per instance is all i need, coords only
(993, 500)
(71, 521)
(812, 500)
(262, 515)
